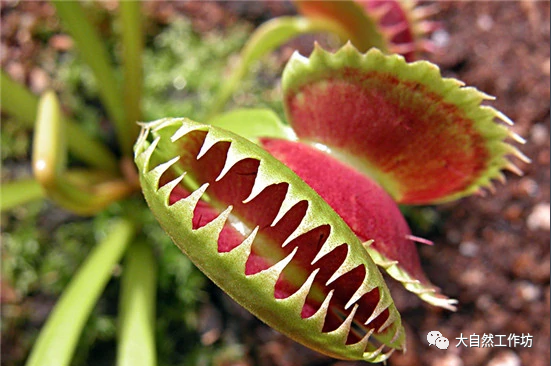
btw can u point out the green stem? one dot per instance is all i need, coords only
(132, 46)
(49, 164)
(59, 336)
(94, 53)
(19, 102)
(19, 192)
(136, 345)
(266, 38)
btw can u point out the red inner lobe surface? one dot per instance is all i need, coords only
(363, 205)
(266, 250)
(424, 145)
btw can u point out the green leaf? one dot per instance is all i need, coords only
(252, 123)
(267, 239)
(59, 336)
(19, 192)
(84, 192)
(132, 48)
(94, 53)
(136, 344)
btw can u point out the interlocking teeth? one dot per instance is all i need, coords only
(344, 329)
(145, 156)
(374, 355)
(288, 203)
(343, 269)
(209, 142)
(167, 189)
(161, 169)
(271, 275)
(202, 242)
(364, 288)
(182, 131)
(319, 317)
(298, 299)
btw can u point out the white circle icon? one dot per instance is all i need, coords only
(436, 338)
(442, 343)
(432, 336)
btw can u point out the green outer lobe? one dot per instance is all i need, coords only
(395, 164)
(228, 269)
(59, 336)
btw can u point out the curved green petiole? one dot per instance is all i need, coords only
(94, 53)
(19, 102)
(132, 45)
(136, 345)
(84, 192)
(19, 192)
(266, 38)
(59, 336)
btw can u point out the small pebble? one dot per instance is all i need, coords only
(539, 218)
(539, 134)
(528, 186)
(441, 38)
(61, 42)
(528, 291)
(485, 22)
(472, 277)
(39, 80)
(468, 249)
(505, 358)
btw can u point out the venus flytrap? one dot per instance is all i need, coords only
(267, 239)
(392, 26)
(293, 220)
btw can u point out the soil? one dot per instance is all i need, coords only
(491, 253)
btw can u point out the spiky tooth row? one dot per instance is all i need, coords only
(414, 21)
(201, 244)
(466, 102)
(428, 294)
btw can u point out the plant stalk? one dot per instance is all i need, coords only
(83, 196)
(136, 343)
(19, 192)
(266, 38)
(94, 53)
(59, 336)
(132, 48)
